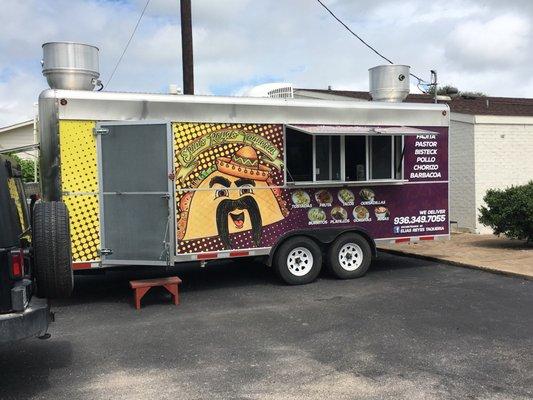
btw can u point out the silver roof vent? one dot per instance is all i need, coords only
(274, 90)
(389, 82)
(72, 66)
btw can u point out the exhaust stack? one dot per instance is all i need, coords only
(389, 82)
(71, 66)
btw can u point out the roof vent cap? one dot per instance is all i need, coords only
(389, 82)
(274, 90)
(71, 66)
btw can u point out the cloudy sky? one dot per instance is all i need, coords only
(481, 45)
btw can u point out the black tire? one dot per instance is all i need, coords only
(52, 250)
(289, 274)
(360, 250)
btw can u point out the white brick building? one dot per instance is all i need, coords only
(491, 146)
(502, 151)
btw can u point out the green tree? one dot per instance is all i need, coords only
(453, 91)
(27, 167)
(509, 211)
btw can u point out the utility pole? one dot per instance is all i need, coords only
(186, 47)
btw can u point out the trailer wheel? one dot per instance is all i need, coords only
(349, 256)
(298, 261)
(52, 250)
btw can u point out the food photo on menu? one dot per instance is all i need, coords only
(323, 197)
(382, 213)
(316, 215)
(367, 194)
(346, 197)
(301, 198)
(360, 213)
(339, 214)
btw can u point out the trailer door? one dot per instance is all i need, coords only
(136, 193)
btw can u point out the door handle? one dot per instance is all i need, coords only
(166, 196)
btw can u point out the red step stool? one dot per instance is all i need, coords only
(141, 287)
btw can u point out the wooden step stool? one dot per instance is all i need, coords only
(141, 287)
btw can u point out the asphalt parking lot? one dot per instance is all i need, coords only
(410, 329)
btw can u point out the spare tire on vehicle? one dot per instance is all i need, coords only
(52, 250)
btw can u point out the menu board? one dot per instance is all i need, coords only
(426, 152)
(383, 211)
(413, 208)
(238, 197)
(340, 206)
(426, 157)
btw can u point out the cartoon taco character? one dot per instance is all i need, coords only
(234, 198)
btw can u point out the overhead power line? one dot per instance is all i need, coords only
(361, 39)
(128, 43)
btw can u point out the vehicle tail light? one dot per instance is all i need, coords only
(17, 264)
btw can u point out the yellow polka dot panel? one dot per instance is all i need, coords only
(84, 226)
(78, 156)
(79, 180)
(14, 193)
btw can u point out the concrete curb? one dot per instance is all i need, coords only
(455, 263)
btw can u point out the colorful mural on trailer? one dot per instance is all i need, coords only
(229, 180)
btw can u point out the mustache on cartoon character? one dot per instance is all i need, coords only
(244, 203)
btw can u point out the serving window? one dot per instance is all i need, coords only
(327, 158)
(299, 153)
(321, 154)
(355, 158)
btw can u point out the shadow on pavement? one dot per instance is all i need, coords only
(503, 244)
(26, 366)
(112, 285)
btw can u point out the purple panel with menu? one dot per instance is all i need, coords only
(231, 192)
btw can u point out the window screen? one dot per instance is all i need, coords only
(398, 157)
(299, 150)
(381, 157)
(335, 158)
(327, 161)
(355, 158)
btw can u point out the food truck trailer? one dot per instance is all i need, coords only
(161, 179)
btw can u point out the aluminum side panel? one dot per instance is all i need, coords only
(136, 193)
(50, 168)
(216, 109)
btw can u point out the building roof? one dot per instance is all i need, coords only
(16, 126)
(474, 105)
